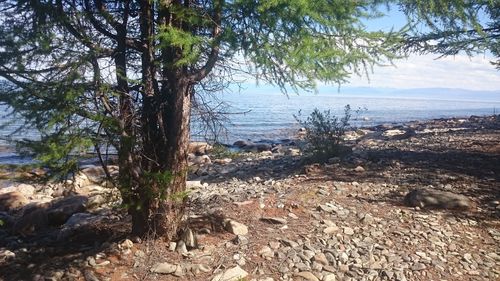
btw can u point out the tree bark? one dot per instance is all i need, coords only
(162, 203)
(157, 204)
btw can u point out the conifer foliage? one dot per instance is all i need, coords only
(91, 73)
(451, 27)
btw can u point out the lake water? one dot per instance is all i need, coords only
(268, 114)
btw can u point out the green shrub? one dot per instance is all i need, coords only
(220, 151)
(324, 133)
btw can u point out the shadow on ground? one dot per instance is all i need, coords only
(45, 248)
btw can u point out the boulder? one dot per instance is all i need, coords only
(96, 201)
(12, 201)
(96, 174)
(397, 134)
(263, 147)
(428, 198)
(76, 223)
(199, 148)
(6, 220)
(292, 151)
(242, 143)
(200, 160)
(34, 218)
(25, 189)
(80, 180)
(61, 210)
(259, 147)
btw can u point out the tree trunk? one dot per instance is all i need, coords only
(158, 196)
(165, 142)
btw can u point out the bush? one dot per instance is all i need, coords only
(220, 151)
(325, 131)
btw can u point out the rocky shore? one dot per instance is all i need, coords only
(418, 201)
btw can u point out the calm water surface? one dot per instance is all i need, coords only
(269, 115)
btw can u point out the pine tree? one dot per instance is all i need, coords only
(85, 73)
(449, 27)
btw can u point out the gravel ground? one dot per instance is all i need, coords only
(279, 216)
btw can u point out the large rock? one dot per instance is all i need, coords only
(263, 147)
(25, 189)
(80, 180)
(259, 147)
(12, 201)
(199, 160)
(199, 148)
(6, 220)
(34, 218)
(292, 151)
(428, 198)
(61, 210)
(96, 174)
(242, 143)
(397, 134)
(92, 174)
(76, 223)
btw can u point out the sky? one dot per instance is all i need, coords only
(460, 71)
(430, 71)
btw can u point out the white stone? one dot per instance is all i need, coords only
(236, 228)
(194, 184)
(266, 252)
(392, 133)
(164, 268)
(307, 276)
(348, 231)
(127, 244)
(25, 189)
(331, 229)
(233, 274)
(359, 169)
(329, 277)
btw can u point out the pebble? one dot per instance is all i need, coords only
(359, 169)
(347, 235)
(164, 268)
(273, 220)
(233, 274)
(320, 258)
(307, 276)
(236, 228)
(348, 231)
(331, 230)
(418, 266)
